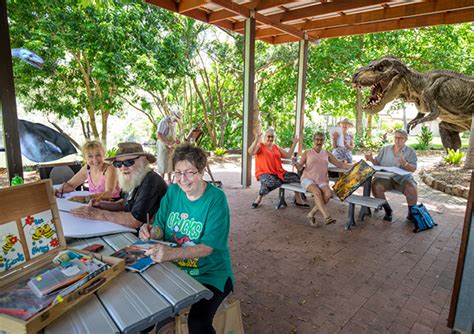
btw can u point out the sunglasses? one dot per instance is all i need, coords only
(126, 163)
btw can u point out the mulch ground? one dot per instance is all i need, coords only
(453, 175)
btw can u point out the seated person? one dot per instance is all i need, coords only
(268, 168)
(404, 157)
(142, 190)
(315, 177)
(101, 176)
(195, 215)
(343, 153)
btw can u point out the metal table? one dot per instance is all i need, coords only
(132, 301)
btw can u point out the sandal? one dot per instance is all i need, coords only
(329, 220)
(312, 221)
(304, 205)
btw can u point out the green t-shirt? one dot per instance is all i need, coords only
(203, 221)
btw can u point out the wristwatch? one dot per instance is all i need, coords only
(406, 164)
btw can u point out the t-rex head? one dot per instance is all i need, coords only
(383, 76)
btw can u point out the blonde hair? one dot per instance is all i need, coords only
(91, 145)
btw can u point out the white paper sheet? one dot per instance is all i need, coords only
(395, 170)
(66, 205)
(340, 139)
(76, 227)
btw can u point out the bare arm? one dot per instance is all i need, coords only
(163, 139)
(110, 182)
(300, 165)
(289, 154)
(118, 217)
(332, 159)
(255, 147)
(162, 253)
(73, 182)
(349, 144)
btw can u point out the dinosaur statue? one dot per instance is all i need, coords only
(29, 56)
(442, 94)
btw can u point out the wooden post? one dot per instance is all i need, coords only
(7, 99)
(249, 91)
(301, 91)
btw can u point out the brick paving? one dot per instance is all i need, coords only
(378, 278)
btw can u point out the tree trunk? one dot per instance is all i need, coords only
(369, 125)
(469, 160)
(359, 114)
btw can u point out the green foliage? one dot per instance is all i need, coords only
(365, 142)
(424, 139)
(111, 152)
(391, 127)
(454, 157)
(220, 151)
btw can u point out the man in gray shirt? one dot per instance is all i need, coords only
(401, 156)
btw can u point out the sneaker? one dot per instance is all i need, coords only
(388, 216)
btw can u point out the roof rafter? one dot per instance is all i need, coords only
(410, 10)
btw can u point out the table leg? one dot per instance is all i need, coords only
(351, 220)
(281, 197)
(365, 211)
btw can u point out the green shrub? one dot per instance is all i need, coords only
(220, 151)
(365, 142)
(111, 153)
(454, 157)
(424, 139)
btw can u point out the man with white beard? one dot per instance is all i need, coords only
(142, 189)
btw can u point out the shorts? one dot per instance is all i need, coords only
(390, 184)
(305, 183)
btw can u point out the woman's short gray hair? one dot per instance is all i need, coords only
(401, 132)
(270, 130)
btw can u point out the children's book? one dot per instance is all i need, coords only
(11, 252)
(134, 255)
(40, 233)
(353, 179)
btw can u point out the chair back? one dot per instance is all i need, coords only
(61, 174)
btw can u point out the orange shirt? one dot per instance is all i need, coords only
(268, 162)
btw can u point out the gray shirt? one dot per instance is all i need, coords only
(386, 157)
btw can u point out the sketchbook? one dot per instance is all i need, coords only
(394, 170)
(77, 227)
(353, 179)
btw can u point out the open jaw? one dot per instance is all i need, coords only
(373, 93)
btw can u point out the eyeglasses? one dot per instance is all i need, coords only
(270, 137)
(126, 163)
(189, 174)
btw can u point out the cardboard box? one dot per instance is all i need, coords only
(30, 237)
(228, 319)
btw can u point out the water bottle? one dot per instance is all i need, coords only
(17, 180)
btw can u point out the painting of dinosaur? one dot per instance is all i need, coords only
(442, 94)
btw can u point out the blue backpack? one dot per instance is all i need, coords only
(423, 219)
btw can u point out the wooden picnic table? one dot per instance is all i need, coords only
(132, 302)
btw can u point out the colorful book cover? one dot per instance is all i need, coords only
(40, 233)
(353, 179)
(11, 253)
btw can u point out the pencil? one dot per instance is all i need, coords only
(98, 199)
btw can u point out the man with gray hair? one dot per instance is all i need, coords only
(142, 189)
(401, 156)
(166, 141)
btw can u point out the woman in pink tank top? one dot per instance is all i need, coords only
(102, 180)
(315, 177)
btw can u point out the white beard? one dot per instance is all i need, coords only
(127, 184)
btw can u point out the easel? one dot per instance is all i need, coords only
(194, 137)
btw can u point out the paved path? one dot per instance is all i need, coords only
(378, 278)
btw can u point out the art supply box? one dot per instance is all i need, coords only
(30, 237)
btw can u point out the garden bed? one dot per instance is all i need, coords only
(453, 180)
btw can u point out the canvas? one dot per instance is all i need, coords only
(353, 179)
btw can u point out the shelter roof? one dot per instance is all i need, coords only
(283, 21)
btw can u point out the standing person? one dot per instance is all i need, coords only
(142, 189)
(315, 177)
(268, 168)
(343, 153)
(195, 215)
(401, 156)
(100, 176)
(166, 142)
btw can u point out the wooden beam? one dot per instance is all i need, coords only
(249, 95)
(253, 5)
(187, 5)
(459, 16)
(166, 4)
(376, 15)
(7, 99)
(324, 8)
(301, 92)
(220, 15)
(245, 12)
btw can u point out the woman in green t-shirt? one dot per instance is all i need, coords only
(195, 215)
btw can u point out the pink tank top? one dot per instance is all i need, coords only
(100, 187)
(316, 167)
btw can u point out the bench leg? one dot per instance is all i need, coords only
(281, 198)
(364, 211)
(350, 220)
